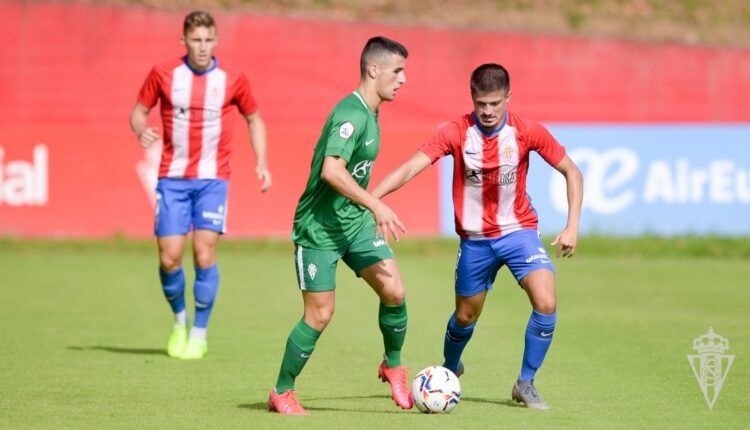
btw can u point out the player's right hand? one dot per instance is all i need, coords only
(149, 136)
(387, 221)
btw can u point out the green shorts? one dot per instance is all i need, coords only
(316, 268)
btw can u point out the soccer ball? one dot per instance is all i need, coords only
(436, 390)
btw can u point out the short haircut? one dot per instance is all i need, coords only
(197, 19)
(376, 47)
(489, 78)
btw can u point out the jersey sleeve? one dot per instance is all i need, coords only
(149, 93)
(541, 141)
(345, 131)
(243, 96)
(443, 142)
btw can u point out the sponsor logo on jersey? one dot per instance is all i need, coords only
(491, 176)
(378, 243)
(205, 113)
(346, 130)
(367, 143)
(362, 169)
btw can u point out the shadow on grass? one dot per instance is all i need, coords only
(263, 406)
(119, 350)
(504, 402)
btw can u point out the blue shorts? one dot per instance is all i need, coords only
(184, 203)
(479, 260)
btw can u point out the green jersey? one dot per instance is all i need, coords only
(324, 218)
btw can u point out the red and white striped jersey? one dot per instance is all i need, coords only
(489, 172)
(196, 110)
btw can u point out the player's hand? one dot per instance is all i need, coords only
(387, 221)
(566, 243)
(265, 176)
(149, 136)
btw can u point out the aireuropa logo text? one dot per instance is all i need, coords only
(617, 178)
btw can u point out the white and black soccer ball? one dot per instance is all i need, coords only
(436, 390)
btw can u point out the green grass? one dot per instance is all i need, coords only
(84, 327)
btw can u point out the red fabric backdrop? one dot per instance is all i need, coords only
(71, 73)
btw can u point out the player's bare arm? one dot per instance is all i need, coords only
(567, 239)
(147, 136)
(335, 173)
(258, 140)
(398, 177)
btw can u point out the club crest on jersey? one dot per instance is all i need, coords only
(346, 130)
(508, 153)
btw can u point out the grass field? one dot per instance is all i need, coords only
(83, 332)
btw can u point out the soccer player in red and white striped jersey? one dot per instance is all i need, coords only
(197, 98)
(495, 218)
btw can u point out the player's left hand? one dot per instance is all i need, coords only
(265, 176)
(566, 243)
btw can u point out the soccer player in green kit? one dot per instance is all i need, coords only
(337, 219)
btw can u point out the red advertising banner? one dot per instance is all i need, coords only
(70, 167)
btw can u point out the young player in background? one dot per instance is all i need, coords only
(495, 219)
(334, 221)
(197, 98)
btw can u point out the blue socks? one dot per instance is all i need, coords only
(173, 285)
(538, 339)
(206, 286)
(456, 338)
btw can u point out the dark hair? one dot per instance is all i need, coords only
(378, 46)
(197, 19)
(489, 78)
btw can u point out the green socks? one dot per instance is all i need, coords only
(301, 343)
(299, 347)
(392, 321)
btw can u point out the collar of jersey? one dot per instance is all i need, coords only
(497, 130)
(199, 72)
(364, 103)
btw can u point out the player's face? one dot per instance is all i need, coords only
(390, 76)
(200, 43)
(490, 108)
